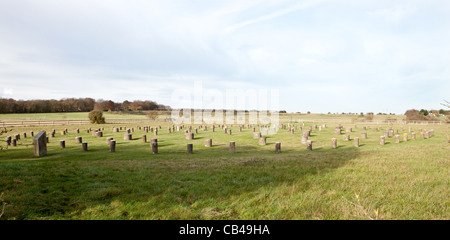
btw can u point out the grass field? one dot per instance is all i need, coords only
(406, 180)
(119, 115)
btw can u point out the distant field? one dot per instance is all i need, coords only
(407, 180)
(107, 115)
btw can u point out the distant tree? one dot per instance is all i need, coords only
(424, 112)
(414, 115)
(96, 116)
(108, 105)
(72, 105)
(126, 105)
(135, 105)
(153, 114)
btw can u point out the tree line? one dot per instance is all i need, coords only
(75, 105)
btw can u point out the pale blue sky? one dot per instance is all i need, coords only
(323, 56)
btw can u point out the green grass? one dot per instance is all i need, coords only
(142, 115)
(409, 180)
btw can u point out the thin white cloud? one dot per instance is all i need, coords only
(394, 15)
(278, 13)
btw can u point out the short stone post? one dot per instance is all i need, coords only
(356, 141)
(262, 141)
(112, 146)
(84, 146)
(40, 144)
(405, 137)
(189, 136)
(397, 139)
(78, 139)
(337, 131)
(363, 135)
(208, 143)
(334, 143)
(154, 147)
(278, 147)
(232, 147)
(256, 135)
(190, 148)
(62, 143)
(309, 145)
(144, 138)
(382, 140)
(127, 137)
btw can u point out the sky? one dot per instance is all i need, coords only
(321, 56)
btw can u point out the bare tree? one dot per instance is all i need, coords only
(153, 114)
(447, 103)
